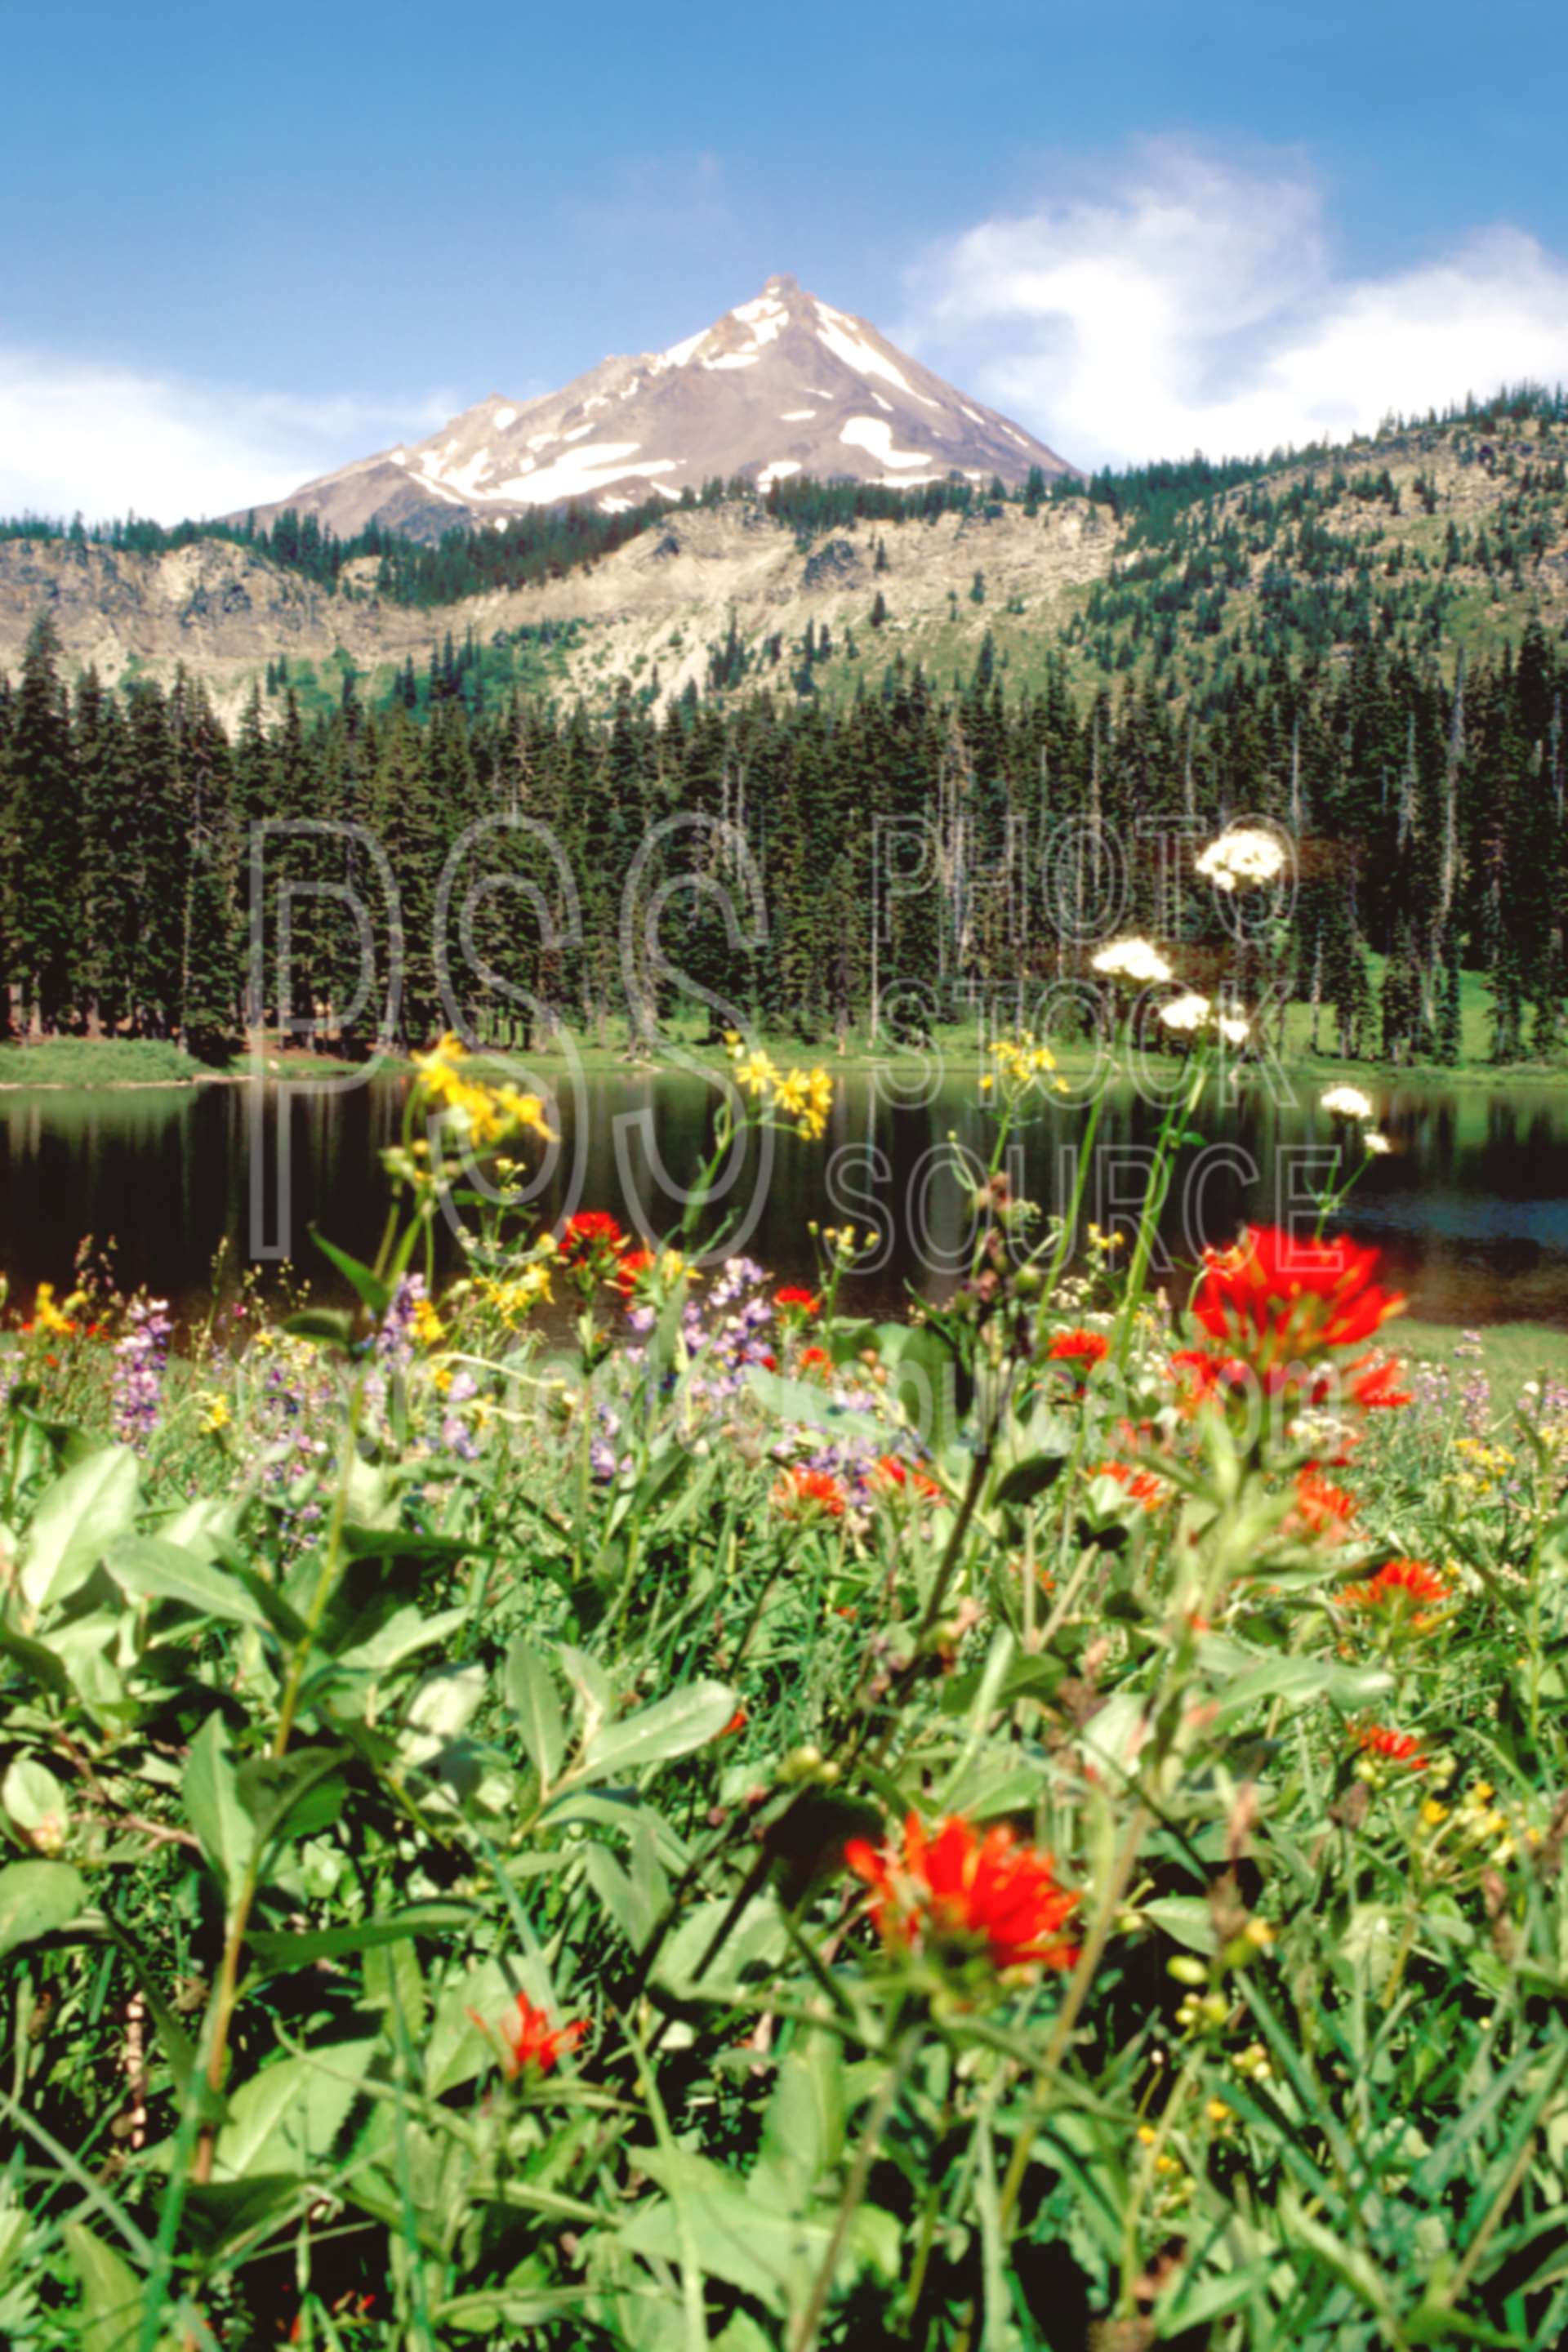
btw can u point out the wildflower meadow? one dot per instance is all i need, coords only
(616, 1804)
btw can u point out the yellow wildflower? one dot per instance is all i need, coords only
(427, 1327)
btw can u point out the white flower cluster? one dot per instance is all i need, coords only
(1133, 960)
(1350, 1103)
(1244, 856)
(1188, 1014)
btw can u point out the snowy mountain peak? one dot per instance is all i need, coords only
(783, 384)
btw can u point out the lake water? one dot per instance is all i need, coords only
(1471, 1208)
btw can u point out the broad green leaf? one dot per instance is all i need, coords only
(286, 2118)
(530, 1694)
(811, 1408)
(672, 1726)
(369, 1287)
(327, 1325)
(111, 2315)
(37, 1660)
(76, 1518)
(215, 1806)
(1186, 1919)
(1022, 1480)
(151, 1568)
(31, 1797)
(403, 1636)
(36, 1898)
(447, 1701)
(294, 1795)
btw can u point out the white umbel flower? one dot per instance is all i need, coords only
(1133, 960)
(1234, 1028)
(1244, 856)
(1346, 1102)
(1186, 1015)
(1375, 1143)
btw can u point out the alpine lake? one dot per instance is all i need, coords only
(1470, 1205)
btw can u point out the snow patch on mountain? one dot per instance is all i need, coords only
(678, 353)
(870, 434)
(838, 332)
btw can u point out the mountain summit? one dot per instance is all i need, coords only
(782, 384)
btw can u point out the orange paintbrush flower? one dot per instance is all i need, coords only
(1282, 1304)
(1079, 1349)
(1406, 1591)
(1393, 1746)
(528, 2038)
(805, 1494)
(965, 1891)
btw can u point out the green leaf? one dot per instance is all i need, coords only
(672, 1726)
(329, 1325)
(84, 1510)
(401, 1543)
(111, 2315)
(930, 1384)
(37, 1898)
(30, 1796)
(300, 1793)
(285, 2119)
(36, 1659)
(215, 1806)
(1029, 1477)
(530, 1691)
(369, 1287)
(277, 1953)
(1186, 1919)
(811, 1408)
(151, 1570)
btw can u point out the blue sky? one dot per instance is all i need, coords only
(236, 247)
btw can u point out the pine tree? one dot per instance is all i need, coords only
(42, 835)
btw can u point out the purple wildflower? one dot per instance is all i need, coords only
(139, 1361)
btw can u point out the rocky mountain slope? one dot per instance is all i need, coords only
(781, 386)
(1432, 537)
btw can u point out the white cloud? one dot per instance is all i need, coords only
(1197, 304)
(102, 439)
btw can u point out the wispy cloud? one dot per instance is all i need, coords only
(653, 198)
(103, 439)
(1188, 302)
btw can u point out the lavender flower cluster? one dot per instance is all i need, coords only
(141, 1359)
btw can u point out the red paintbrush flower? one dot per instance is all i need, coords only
(1370, 1383)
(963, 1892)
(1321, 1508)
(528, 2038)
(815, 1360)
(1142, 1485)
(805, 1494)
(633, 1265)
(794, 1300)
(1201, 1370)
(1281, 1304)
(1403, 1590)
(1393, 1746)
(888, 1473)
(591, 1232)
(1082, 1349)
